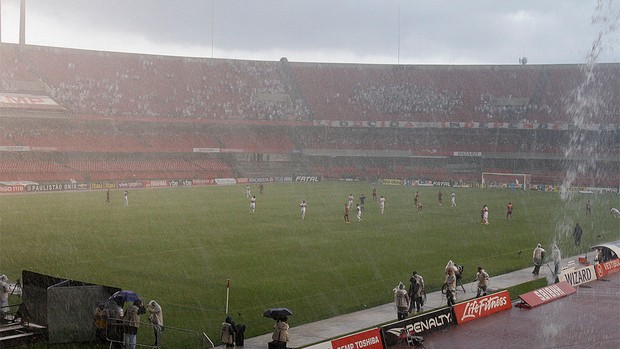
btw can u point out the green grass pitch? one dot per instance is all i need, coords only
(180, 246)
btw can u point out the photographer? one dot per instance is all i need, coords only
(4, 296)
(280, 333)
(453, 267)
(157, 319)
(458, 273)
(132, 323)
(416, 292)
(483, 282)
(450, 287)
(402, 301)
(537, 258)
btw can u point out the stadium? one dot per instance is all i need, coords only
(185, 137)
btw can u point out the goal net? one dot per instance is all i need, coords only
(506, 180)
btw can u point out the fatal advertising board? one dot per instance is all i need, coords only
(480, 307)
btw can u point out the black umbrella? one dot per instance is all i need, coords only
(277, 313)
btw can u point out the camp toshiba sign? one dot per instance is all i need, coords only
(481, 307)
(370, 339)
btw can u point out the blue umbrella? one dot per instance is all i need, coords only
(125, 296)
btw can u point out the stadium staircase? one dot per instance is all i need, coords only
(15, 333)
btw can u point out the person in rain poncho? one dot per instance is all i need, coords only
(228, 332)
(4, 295)
(280, 333)
(537, 258)
(416, 292)
(156, 316)
(131, 321)
(556, 256)
(402, 301)
(483, 282)
(450, 287)
(452, 266)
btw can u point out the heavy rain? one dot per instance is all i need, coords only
(197, 174)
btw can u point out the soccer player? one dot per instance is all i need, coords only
(415, 199)
(358, 211)
(509, 211)
(253, 204)
(588, 208)
(440, 198)
(126, 198)
(350, 200)
(346, 213)
(303, 206)
(260, 188)
(419, 207)
(453, 197)
(485, 214)
(362, 200)
(374, 194)
(615, 212)
(107, 196)
(247, 191)
(382, 204)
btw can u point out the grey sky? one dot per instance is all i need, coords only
(369, 31)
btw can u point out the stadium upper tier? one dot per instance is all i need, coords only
(136, 86)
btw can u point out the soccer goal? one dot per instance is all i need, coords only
(506, 180)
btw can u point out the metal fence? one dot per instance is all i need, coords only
(170, 337)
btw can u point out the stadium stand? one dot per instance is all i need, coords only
(207, 118)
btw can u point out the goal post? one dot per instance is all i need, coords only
(506, 180)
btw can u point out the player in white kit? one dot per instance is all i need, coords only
(303, 206)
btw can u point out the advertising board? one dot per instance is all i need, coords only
(480, 307)
(547, 294)
(437, 320)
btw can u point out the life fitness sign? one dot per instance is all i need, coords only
(609, 267)
(481, 307)
(370, 339)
